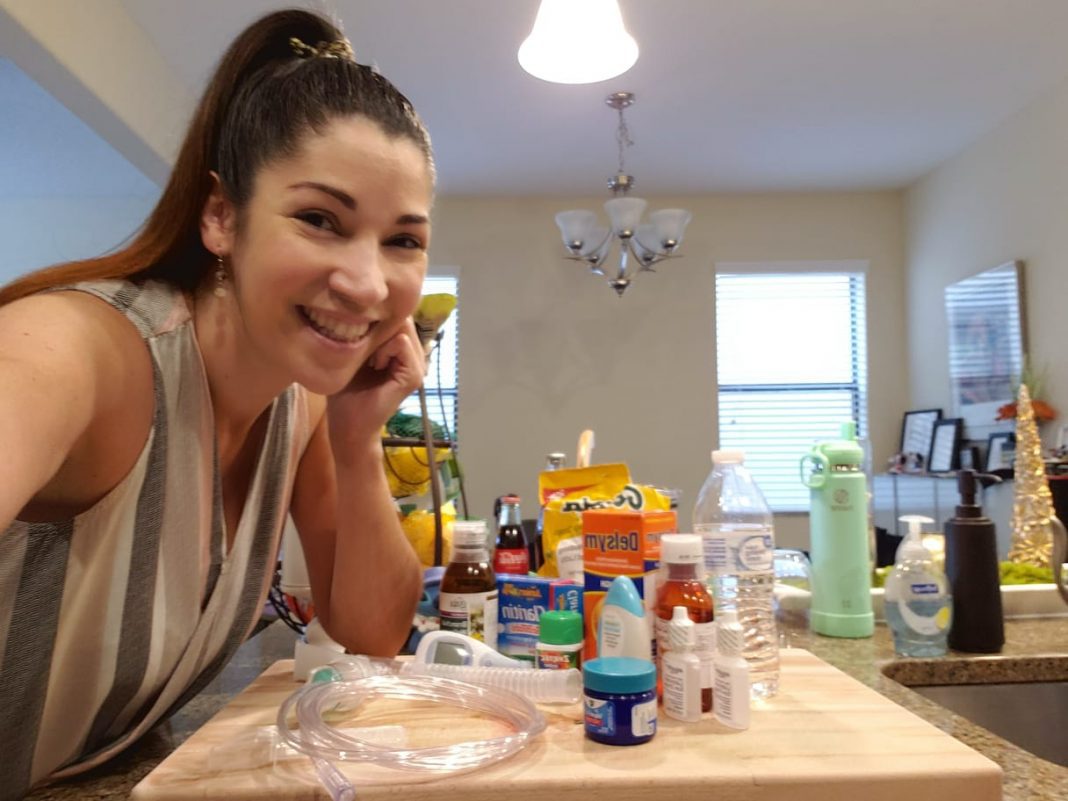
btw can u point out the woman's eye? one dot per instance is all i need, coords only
(406, 241)
(318, 219)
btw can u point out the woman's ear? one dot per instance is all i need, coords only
(218, 220)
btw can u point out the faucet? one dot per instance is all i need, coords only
(1059, 556)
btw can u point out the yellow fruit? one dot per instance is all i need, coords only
(408, 471)
(419, 528)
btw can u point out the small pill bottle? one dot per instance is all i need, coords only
(620, 700)
(559, 640)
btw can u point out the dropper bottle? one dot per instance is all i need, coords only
(731, 688)
(972, 569)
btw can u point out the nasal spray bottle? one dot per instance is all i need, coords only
(838, 520)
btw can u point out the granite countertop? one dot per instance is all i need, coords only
(1027, 778)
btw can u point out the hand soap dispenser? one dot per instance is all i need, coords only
(918, 603)
(972, 569)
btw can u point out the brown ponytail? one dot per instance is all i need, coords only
(263, 97)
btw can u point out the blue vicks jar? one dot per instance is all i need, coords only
(620, 700)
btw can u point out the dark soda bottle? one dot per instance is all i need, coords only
(511, 555)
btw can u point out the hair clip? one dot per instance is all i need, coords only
(339, 48)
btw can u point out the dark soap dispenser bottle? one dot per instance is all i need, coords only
(972, 569)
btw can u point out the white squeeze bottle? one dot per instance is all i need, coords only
(681, 669)
(735, 523)
(730, 689)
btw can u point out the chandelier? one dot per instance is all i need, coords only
(641, 245)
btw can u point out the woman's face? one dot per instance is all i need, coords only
(329, 259)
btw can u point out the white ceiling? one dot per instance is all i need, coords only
(732, 95)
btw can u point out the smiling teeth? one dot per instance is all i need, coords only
(342, 332)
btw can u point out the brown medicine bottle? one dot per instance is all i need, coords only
(681, 583)
(467, 600)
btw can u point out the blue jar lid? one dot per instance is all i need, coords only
(619, 674)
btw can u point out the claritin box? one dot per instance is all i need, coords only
(618, 542)
(520, 603)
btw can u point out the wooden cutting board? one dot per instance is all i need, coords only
(824, 737)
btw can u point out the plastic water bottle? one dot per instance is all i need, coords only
(735, 523)
(918, 602)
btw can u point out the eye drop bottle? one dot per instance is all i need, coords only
(730, 703)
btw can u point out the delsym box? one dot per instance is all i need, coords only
(520, 602)
(618, 542)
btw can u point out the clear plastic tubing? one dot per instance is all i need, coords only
(327, 745)
(540, 686)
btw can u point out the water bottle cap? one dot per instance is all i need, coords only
(682, 549)
(728, 457)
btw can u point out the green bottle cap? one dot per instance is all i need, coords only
(560, 627)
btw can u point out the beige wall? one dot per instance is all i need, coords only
(547, 350)
(1004, 198)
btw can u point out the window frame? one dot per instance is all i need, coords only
(857, 386)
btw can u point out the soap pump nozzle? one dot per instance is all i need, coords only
(912, 546)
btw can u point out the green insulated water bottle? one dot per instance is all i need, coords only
(838, 521)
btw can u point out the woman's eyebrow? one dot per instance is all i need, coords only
(341, 196)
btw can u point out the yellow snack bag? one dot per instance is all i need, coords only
(566, 494)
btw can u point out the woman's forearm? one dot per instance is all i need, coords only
(377, 580)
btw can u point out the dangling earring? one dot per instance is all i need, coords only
(220, 278)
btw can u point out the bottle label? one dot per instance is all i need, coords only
(550, 658)
(705, 649)
(600, 717)
(682, 689)
(470, 613)
(569, 559)
(515, 561)
(643, 719)
(740, 551)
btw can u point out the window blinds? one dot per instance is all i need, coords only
(791, 368)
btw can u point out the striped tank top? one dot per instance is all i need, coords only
(112, 620)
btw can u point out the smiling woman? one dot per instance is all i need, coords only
(164, 408)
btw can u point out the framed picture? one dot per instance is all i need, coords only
(987, 341)
(1001, 451)
(917, 429)
(945, 446)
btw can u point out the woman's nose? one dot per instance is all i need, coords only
(359, 275)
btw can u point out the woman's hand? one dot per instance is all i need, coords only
(357, 413)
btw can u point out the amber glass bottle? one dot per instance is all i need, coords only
(467, 601)
(681, 583)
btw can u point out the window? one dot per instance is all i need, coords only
(441, 375)
(791, 368)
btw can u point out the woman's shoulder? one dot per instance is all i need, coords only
(78, 376)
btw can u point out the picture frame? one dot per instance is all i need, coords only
(1001, 452)
(944, 456)
(917, 429)
(987, 338)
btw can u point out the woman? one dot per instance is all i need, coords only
(164, 407)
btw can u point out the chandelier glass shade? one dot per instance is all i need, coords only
(641, 245)
(578, 41)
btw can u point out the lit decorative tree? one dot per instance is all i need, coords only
(1032, 508)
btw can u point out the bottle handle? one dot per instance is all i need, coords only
(820, 468)
(1060, 555)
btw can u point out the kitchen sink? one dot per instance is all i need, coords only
(1021, 699)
